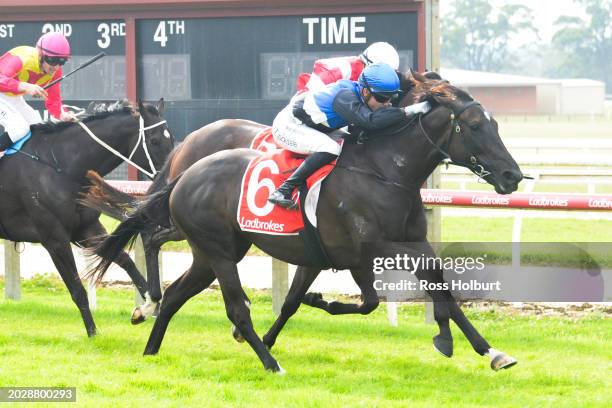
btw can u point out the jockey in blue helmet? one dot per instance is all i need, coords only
(303, 125)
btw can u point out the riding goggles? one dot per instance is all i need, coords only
(55, 60)
(380, 96)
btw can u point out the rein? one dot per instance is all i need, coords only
(141, 140)
(474, 166)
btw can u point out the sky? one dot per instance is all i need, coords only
(545, 12)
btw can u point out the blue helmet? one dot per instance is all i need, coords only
(380, 78)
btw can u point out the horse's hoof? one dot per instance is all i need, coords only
(92, 333)
(278, 370)
(443, 346)
(502, 361)
(237, 335)
(311, 298)
(137, 316)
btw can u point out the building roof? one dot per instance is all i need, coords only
(467, 78)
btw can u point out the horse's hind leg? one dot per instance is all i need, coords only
(197, 278)
(152, 244)
(301, 282)
(238, 311)
(88, 235)
(365, 281)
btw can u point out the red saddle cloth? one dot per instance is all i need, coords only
(265, 174)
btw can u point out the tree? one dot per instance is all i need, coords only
(475, 36)
(584, 45)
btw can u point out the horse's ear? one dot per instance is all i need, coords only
(161, 106)
(141, 108)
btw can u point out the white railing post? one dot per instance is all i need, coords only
(280, 284)
(141, 264)
(12, 265)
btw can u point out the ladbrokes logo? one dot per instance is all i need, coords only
(600, 203)
(548, 202)
(256, 224)
(490, 200)
(430, 198)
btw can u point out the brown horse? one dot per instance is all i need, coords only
(379, 200)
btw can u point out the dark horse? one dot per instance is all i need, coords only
(378, 200)
(40, 185)
(220, 135)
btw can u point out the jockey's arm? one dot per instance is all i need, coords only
(10, 65)
(54, 100)
(354, 111)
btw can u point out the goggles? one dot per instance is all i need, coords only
(55, 60)
(381, 97)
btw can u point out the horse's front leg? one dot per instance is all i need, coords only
(302, 280)
(62, 257)
(446, 307)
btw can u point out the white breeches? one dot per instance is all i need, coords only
(16, 116)
(292, 134)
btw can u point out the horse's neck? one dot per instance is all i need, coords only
(116, 131)
(407, 159)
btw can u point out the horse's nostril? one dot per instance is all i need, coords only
(513, 175)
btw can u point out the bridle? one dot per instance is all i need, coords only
(141, 141)
(456, 129)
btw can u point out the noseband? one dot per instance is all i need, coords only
(474, 166)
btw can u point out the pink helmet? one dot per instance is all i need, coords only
(53, 45)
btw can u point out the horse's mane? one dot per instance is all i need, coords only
(441, 92)
(97, 111)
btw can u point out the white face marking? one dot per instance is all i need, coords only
(166, 133)
(487, 115)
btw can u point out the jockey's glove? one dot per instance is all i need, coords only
(421, 107)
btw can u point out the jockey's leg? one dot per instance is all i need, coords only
(293, 135)
(283, 195)
(13, 121)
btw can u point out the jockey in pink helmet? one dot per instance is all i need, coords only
(26, 70)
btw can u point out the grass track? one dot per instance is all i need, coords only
(331, 360)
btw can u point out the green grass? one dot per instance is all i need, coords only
(332, 361)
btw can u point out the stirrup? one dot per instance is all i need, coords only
(279, 199)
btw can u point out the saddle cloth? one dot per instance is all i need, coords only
(265, 174)
(15, 147)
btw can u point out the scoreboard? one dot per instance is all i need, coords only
(214, 67)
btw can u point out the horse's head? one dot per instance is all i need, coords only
(154, 131)
(472, 139)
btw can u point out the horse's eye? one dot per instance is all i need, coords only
(474, 126)
(155, 142)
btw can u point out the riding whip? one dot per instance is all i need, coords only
(91, 61)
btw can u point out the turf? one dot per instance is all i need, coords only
(330, 360)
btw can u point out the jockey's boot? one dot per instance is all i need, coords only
(283, 195)
(5, 141)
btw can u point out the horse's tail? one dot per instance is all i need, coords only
(103, 197)
(153, 211)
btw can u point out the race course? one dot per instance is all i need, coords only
(330, 361)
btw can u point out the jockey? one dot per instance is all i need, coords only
(26, 70)
(301, 127)
(329, 70)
